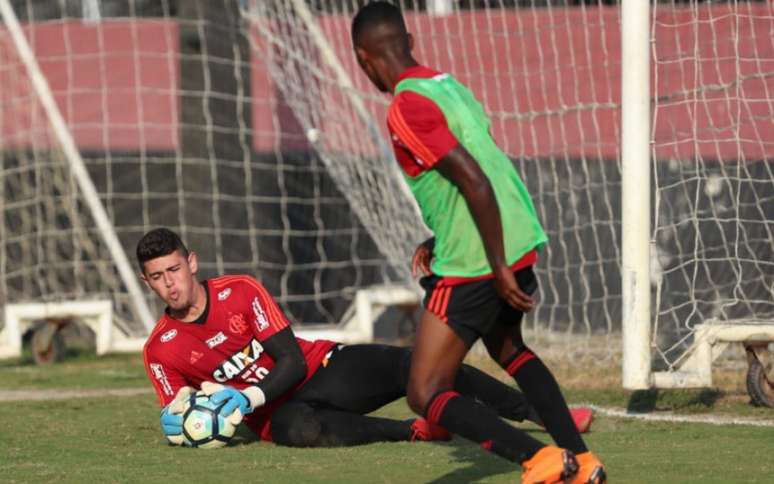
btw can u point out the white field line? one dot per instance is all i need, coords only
(67, 394)
(41, 395)
(675, 418)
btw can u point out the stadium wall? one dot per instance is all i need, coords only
(116, 82)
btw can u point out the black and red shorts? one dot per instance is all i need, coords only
(471, 309)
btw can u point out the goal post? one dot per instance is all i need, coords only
(696, 263)
(635, 192)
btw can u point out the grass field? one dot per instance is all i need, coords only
(117, 439)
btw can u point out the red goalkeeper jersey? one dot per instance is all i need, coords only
(224, 345)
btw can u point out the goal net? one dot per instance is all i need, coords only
(179, 124)
(712, 259)
(549, 74)
(248, 127)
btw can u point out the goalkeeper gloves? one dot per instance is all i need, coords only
(171, 424)
(172, 416)
(245, 401)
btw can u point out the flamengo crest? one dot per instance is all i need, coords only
(237, 323)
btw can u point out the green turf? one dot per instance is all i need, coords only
(680, 401)
(118, 440)
(80, 370)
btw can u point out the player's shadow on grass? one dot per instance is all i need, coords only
(644, 401)
(243, 436)
(480, 464)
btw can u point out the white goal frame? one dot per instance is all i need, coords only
(96, 315)
(358, 323)
(712, 337)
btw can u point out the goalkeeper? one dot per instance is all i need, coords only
(293, 392)
(480, 279)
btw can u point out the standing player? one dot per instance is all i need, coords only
(295, 392)
(486, 241)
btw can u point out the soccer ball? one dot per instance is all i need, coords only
(203, 424)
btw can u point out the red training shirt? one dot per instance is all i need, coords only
(226, 346)
(418, 129)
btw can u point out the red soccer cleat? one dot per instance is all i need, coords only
(424, 431)
(582, 416)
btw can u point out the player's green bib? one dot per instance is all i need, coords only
(459, 250)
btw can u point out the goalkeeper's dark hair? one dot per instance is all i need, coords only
(376, 13)
(158, 243)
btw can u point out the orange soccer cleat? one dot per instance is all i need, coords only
(423, 430)
(591, 470)
(550, 465)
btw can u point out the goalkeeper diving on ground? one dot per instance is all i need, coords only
(229, 330)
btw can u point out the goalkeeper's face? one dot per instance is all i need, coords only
(172, 277)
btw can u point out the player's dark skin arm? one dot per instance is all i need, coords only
(459, 167)
(289, 364)
(422, 257)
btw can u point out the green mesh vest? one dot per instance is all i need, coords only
(459, 250)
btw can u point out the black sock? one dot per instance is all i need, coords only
(507, 401)
(477, 422)
(533, 416)
(544, 395)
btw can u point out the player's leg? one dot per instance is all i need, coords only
(300, 424)
(358, 378)
(538, 384)
(505, 344)
(455, 317)
(364, 377)
(506, 400)
(436, 359)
